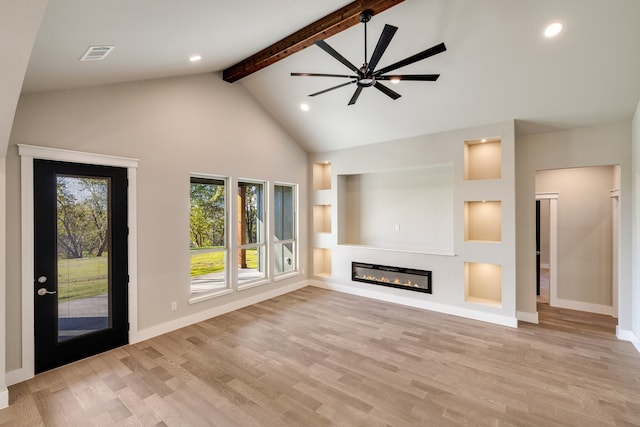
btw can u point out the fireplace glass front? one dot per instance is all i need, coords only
(395, 277)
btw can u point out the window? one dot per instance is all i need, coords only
(284, 201)
(252, 256)
(208, 237)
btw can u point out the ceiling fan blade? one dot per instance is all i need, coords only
(331, 51)
(355, 96)
(439, 48)
(382, 88)
(346, 76)
(383, 42)
(411, 77)
(332, 88)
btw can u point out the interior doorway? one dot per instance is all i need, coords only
(577, 233)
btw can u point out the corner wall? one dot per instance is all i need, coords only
(635, 291)
(19, 24)
(594, 146)
(175, 127)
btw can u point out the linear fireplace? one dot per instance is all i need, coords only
(396, 277)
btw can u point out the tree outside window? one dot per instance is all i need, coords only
(207, 225)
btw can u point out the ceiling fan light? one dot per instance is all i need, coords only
(395, 80)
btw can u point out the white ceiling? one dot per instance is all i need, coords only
(498, 66)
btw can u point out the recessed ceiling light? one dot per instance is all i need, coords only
(304, 107)
(195, 58)
(553, 29)
(394, 80)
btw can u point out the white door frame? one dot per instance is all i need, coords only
(27, 154)
(553, 245)
(615, 250)
(553, 258)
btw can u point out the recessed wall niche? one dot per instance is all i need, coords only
(405, 209)
(483, 221)
(322, 262)
(482, 159)
(322, 218)
(322, 176)
(483, 283)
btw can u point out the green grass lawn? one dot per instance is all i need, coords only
(211, 262)
(87, 277)
(82, 277)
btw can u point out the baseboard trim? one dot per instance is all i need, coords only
(627, 335)
(525, 316)
(425, 305)
(583, 306)
(166, 327)
(4, 398)
(18, 375)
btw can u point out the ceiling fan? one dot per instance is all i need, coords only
(367, 75)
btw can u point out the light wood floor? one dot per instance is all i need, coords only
(318, 358)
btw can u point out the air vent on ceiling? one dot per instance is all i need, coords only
(96, 53)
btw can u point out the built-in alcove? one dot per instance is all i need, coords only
(483, 221)
(321, 176)
(322, 218)
(407, 209)
(322, 262)
(483, 283)
(482, 159)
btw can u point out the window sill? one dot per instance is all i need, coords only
(210, 295)
(286, 275)
(253, 284)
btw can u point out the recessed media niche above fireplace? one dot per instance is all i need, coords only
(395, 277)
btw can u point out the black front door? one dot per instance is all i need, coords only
(80, 260)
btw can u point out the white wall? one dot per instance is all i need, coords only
(595, 146)
(635, 294)
(584, 222)
(19, 23)
(174, 126)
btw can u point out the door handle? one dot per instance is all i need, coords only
(44, 291)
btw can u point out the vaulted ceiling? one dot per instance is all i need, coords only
(498, 65)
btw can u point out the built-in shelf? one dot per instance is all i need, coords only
(483, 221)
(322, 218)
(483, 283)
(322, 262)
(482, 159)
(321, 176)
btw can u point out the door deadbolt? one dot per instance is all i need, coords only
(43, 291)
(42, 279)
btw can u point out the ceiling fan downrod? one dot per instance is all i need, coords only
(365, 80)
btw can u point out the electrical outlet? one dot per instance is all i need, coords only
(174, 305)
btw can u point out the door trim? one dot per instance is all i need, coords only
(27, 154)
(553, 245)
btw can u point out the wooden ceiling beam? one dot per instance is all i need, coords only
(323, 28)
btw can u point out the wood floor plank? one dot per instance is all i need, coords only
(320, 358)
